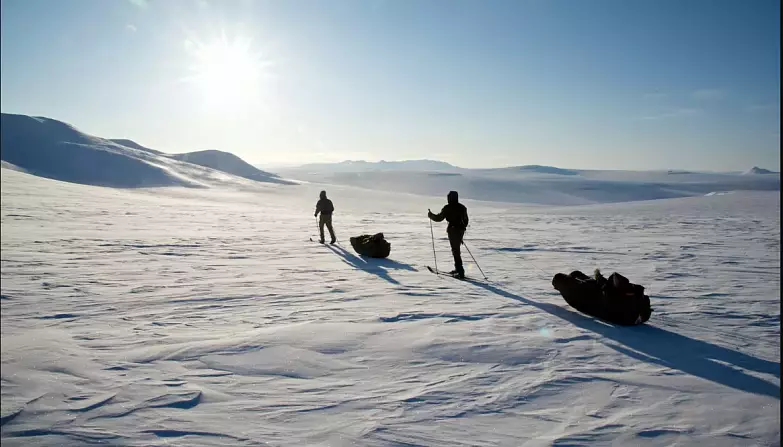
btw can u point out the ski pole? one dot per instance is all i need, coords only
(474, 259)
(433, 246)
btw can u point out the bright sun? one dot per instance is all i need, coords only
(227, 73)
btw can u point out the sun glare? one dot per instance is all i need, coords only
(227, 73)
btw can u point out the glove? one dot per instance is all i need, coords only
(315, 214)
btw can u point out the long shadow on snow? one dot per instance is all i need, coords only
(376, 266)
(659, 346)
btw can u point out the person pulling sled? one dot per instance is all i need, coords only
(456, 214)
(325, 208)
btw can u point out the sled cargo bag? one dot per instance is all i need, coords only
(374, 246)
(614, 299)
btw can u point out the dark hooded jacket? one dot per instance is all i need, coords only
(454, 212)
(324, 205)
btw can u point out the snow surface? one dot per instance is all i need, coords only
(184, 316)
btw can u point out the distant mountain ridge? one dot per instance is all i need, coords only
(53, 149)
(361, 166)
(427, 165)
(755, 170)
(545, 170)
(533, 184)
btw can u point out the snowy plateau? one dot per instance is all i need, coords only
(152, 300)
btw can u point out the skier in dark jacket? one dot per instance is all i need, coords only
(456, 215)
(326, 208)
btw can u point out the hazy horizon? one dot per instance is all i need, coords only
(601, 85)
(295, 165)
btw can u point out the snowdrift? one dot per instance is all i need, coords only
(49, 148)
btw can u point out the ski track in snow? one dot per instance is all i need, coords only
(206, 317)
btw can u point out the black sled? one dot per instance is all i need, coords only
(614, 299)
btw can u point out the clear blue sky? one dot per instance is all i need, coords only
(615, 84)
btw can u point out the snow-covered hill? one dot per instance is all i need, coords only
(135, 145)
(53, 149)
(230, 163)
(183, 316)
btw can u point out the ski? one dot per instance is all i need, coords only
(439, 273)
(324, 243)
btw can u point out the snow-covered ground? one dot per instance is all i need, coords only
(182, 316)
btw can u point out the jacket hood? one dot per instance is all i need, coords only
(322, 195)
(453, 197)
